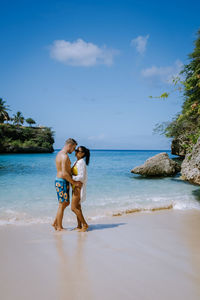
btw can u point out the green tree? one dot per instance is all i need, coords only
(4, 116)
(30, 121)
(18, 118)
(191, 104)
(186, 125)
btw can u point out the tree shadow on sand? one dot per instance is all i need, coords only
(104, 226)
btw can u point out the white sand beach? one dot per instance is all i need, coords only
(139, 256)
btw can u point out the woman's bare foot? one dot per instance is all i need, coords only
(84, 228)
(77, 228)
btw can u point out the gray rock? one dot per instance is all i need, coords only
(190, 169)
(158, 165)
(178, 146)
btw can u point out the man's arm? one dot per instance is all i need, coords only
(66, 171)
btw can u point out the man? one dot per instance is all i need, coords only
(63, 180)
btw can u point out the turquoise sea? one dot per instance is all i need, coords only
(27, 192)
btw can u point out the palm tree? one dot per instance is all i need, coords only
(4, 116)
(30, 121)
(18, 118)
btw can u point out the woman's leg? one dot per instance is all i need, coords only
(79, 225)
(76, 208)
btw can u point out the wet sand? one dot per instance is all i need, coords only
(138, 256)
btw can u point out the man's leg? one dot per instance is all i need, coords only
(59, 215)
(55, 223)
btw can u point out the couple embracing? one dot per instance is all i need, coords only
(77, 177)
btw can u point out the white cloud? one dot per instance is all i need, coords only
(140, 43)
(81, 53)
(163, 74)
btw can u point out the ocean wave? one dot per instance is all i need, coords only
(27, 221)
(95, 212)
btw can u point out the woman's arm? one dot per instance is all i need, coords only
(66, 172)
(81, 167)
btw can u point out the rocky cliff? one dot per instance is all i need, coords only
(190, 169)
(178, 146)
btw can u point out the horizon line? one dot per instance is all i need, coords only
(124, 149)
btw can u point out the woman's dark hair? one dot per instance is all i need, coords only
(86, 154)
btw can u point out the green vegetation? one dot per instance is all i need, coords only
(18, 118)
(185, 127)
(15, 138)
(4, 116)
(30, 121)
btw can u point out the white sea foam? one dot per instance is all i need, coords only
(25, 221)
(186, 205)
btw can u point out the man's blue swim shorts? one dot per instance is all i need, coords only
(62, 189)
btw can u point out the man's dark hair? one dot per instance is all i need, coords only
(71, 141)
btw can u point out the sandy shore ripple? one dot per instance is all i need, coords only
(134, 210)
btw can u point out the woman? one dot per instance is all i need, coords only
(79, 173)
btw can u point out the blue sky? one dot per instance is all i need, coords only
(87, 68)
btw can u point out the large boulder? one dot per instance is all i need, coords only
(158, 165)
(190, 169)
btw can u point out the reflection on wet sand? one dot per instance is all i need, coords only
(73, 279)
(192, 243)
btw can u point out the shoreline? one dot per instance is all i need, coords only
(69, 216)
(135, 256)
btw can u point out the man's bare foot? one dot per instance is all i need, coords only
(61, 229)
(54, 225)
(84, 228)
